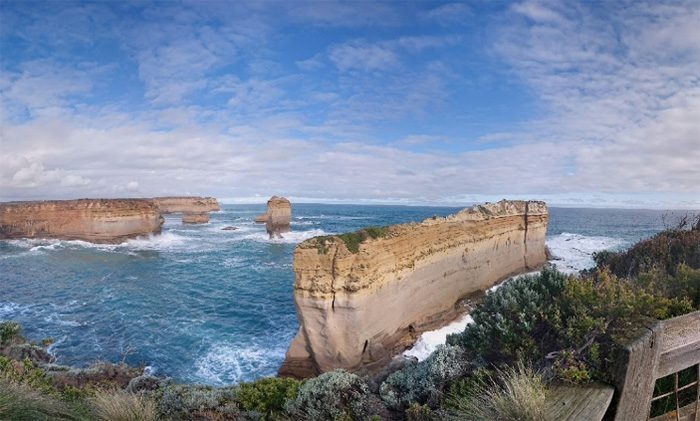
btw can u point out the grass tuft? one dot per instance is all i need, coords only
(20, 402)
(517, 394)
(122, 406)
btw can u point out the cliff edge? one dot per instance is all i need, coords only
(93, 220)
(359, 295)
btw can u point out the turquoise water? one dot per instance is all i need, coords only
(205, 305)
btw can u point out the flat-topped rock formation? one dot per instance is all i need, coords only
(277, 218)
(94, 220)
(359, 296)
(195, 210)
(195, 217)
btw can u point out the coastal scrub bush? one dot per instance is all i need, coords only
(20, 402)
(24, 372)
(423, 382)
(331, 396)
(511, 320)
(664, 251)
(120, 405)
(517, 393)
(267, 396)
(182, 401)
(9, 331)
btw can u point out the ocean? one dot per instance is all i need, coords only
(211, 306)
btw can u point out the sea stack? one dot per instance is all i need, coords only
(277, 217)
(358, 297)
(93, 220)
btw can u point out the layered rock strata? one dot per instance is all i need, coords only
(195, 210)
(93, 220)
(357, 304)
(195, 217)
(277, 218)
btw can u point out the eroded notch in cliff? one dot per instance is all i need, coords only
(364, 348)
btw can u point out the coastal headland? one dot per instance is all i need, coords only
(98, 220)
(360, 297)
(93, 220)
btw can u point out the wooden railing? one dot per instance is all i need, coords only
(660, 349)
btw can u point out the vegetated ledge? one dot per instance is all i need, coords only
(363, 297)
(93, 220)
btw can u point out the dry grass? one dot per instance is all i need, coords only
(20, 402)
(122, 406)
(517, 394)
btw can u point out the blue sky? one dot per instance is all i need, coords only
(593, 103)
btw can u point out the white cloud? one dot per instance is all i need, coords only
(363, 56)
(72, 180)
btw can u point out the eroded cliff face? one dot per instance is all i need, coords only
(94, 220)
(277, 218)
(354, 309)
(186, 204)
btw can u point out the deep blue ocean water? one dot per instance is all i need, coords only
(205, 305)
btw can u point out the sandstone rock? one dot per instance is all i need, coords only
(195, 217)
(191, 204)
(189, 207)
(355, 308)
(94, 220)
(277, 217)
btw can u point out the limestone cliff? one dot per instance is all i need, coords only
(94, 220)
(195, 217)
(195, 210)
(277, 218)
(191, 204)
(355, 302)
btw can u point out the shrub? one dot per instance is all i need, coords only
(423, 382)
(512, 322)
(9, 331)
(267, 396)
(517, 394)
(178, 402)
(122, 406)
(19, 402)
(24, 372)
(331, 396)
(665, 251)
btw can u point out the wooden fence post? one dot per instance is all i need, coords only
(635, 370)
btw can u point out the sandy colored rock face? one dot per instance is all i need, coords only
(354, 308)
(195, 217)
(94, 220)
(277, 218)
(186, 204)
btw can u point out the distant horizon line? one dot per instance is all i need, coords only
(375, 202)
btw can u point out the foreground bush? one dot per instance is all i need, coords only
(185, 401)
(424, 382)
(516, 394)
(512, 321)
(267, 396)
(337, 395)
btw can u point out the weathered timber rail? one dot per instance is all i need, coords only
(661, 349)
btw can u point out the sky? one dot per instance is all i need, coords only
(590, 103)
